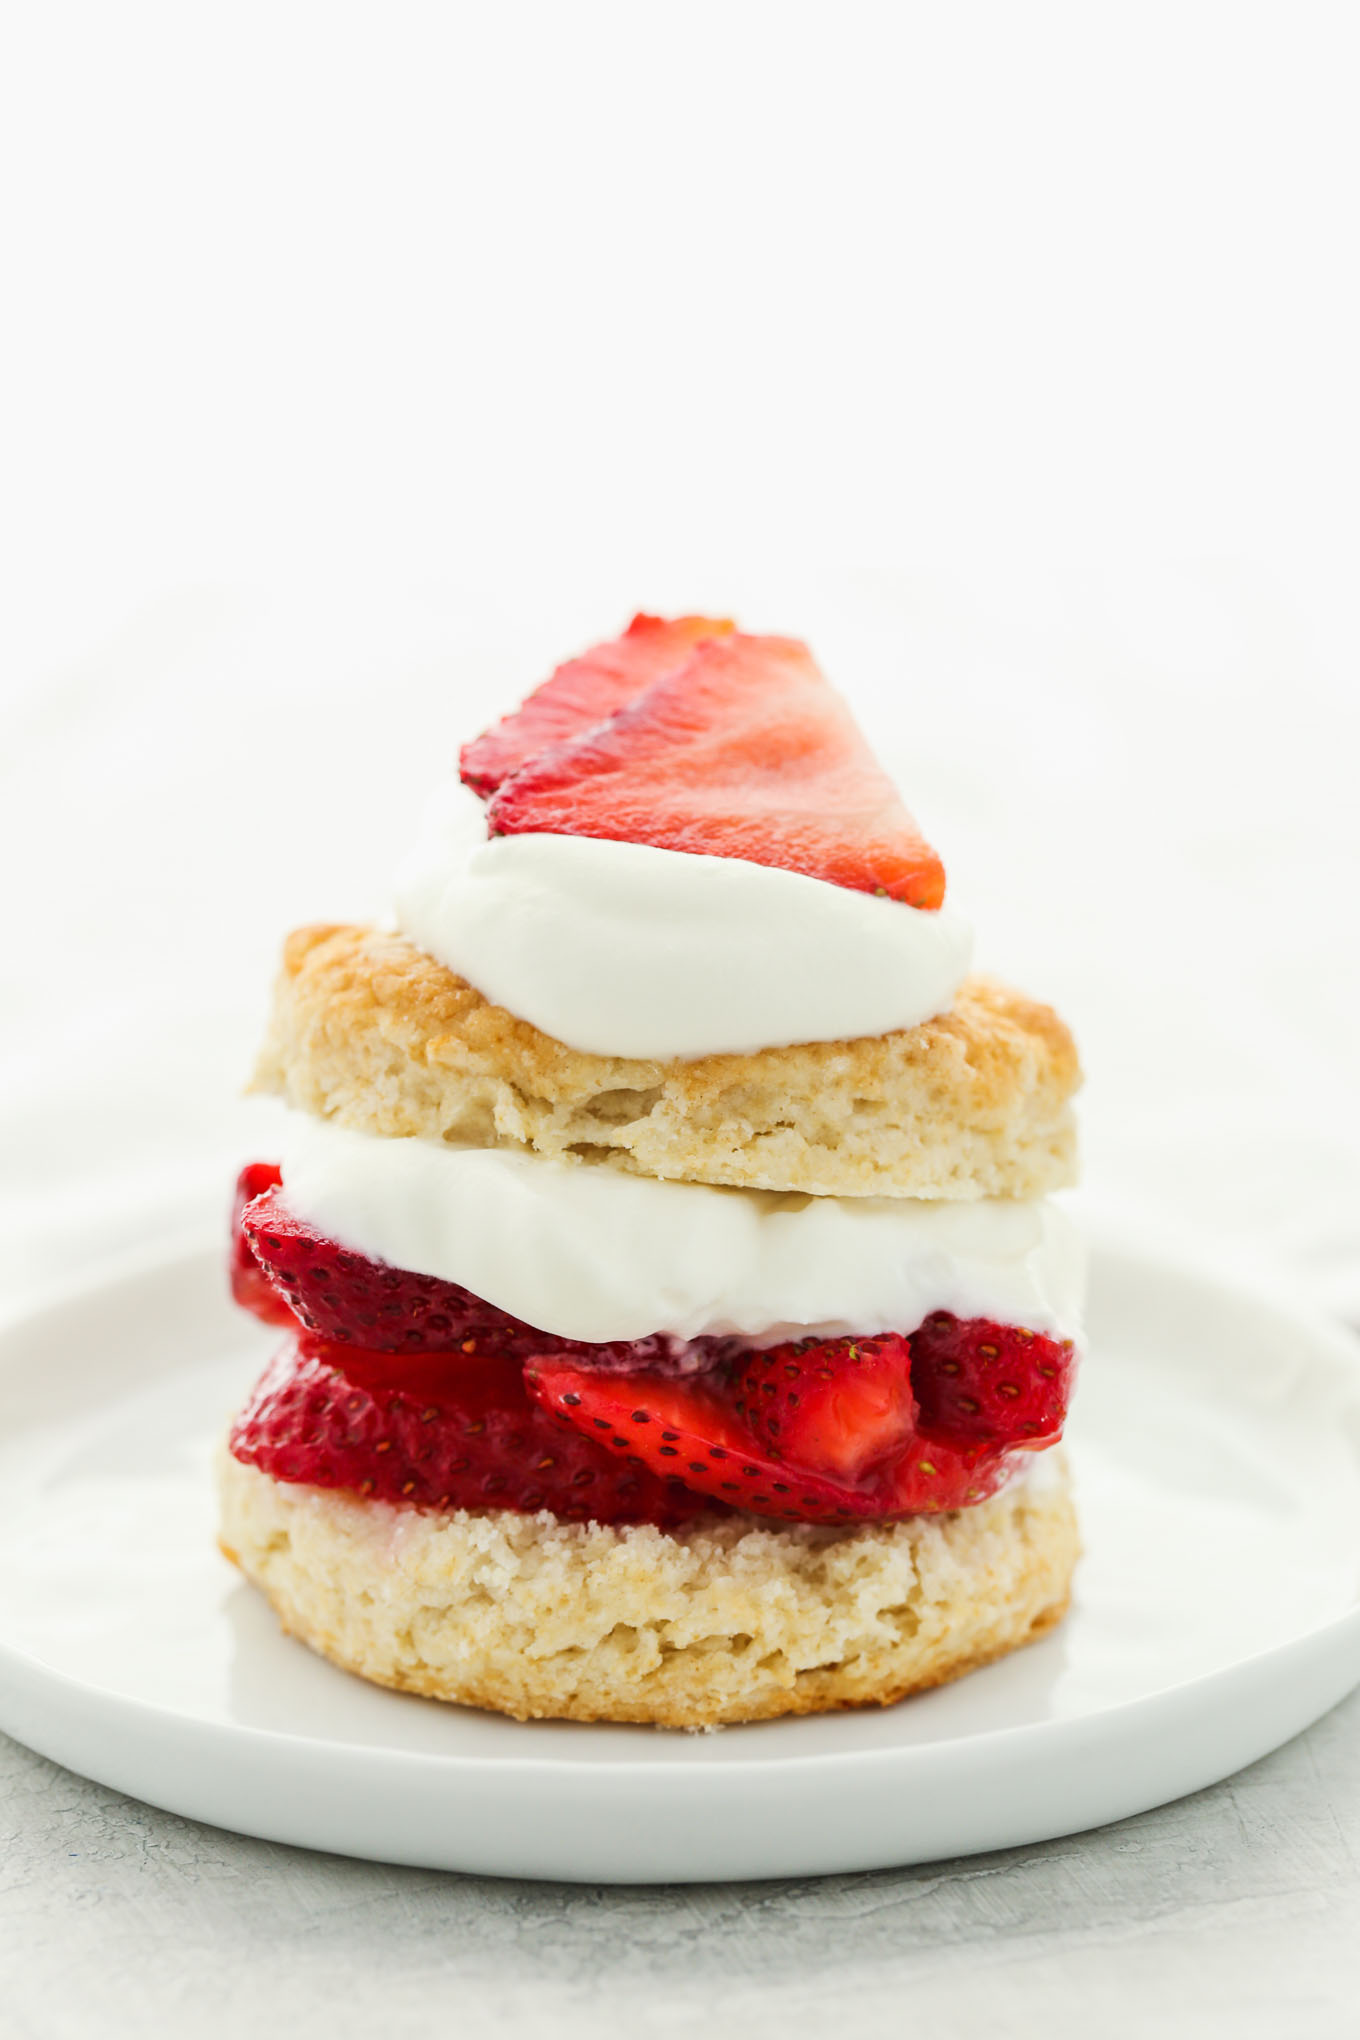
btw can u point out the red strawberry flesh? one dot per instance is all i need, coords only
(687, 1425)
(837, 1406)
(584, 692)
(450, 1432)
(251, 1287)
(684, 1427)
(979, 1382)
(745, 752)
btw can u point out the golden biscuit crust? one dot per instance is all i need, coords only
(731, 1620)
(369, 1030)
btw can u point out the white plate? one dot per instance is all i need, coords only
(1218, 1456)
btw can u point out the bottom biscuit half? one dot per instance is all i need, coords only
(727, 1620)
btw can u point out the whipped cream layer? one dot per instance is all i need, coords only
(587, 1252)
(622, 949)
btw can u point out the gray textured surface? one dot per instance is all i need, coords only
(1236, 1912)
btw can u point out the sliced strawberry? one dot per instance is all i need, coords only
(808, 1432)
(457, 1433)
(835, 1406)
(342, 1295)
(745, 752)
(684, 1428)
(584, 692)
(250, 1285)
(977, 1382)
(828, 1431)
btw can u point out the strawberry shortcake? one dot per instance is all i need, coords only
(678, 1329)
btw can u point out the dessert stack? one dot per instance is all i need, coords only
(677, 1328)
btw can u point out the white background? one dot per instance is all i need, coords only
(361, 361)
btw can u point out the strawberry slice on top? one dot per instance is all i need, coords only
(745, 752)
(584, 692)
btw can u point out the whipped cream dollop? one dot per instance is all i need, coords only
(623, 949)
(588, 1252)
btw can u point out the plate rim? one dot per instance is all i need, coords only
(987, 1741)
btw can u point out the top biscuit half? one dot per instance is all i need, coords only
(370, 1031)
